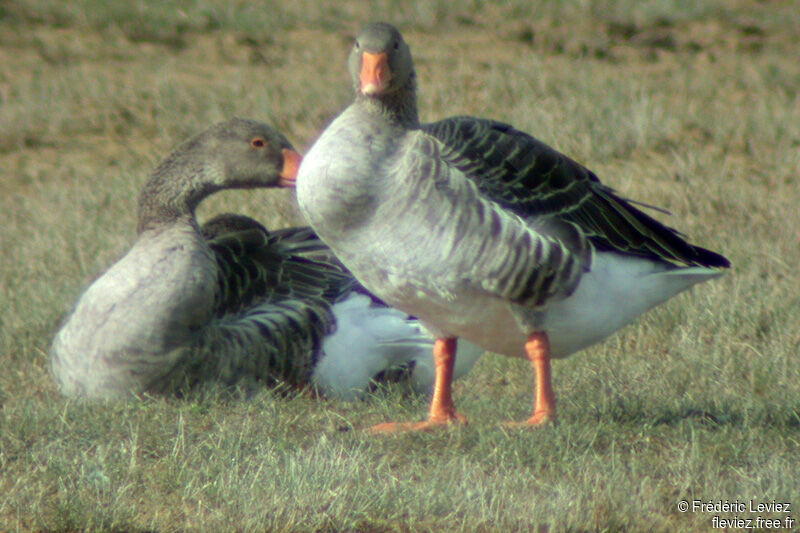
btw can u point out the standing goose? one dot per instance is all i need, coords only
(229, 302)
(480, 230)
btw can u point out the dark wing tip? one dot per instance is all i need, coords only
(710, 259)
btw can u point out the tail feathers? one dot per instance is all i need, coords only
(699, 272)
(369, 341)
(677, 280)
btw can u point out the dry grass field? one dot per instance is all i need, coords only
(693, 106)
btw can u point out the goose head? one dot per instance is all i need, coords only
(235, 154)
(380, 62)
(240, 154)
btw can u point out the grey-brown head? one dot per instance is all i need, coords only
(235, 154)
(382, 69)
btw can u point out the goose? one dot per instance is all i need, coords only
(229, 302)
(481, 231)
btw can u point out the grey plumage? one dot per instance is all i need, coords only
(225, 303)
(483, 232)
(489, 209)
(524, 175)
(229, 302)
(272, 310)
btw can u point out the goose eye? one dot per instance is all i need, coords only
(396, 45)
(257, 142)
(357, 46)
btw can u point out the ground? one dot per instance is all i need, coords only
(690, 106)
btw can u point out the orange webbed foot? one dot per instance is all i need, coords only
(442, 412)
(539, 419)
(388, 428)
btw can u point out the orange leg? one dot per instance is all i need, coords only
(537, 349)
(442, 410)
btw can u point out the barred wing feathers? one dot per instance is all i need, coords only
(272, 307)
(543, 186)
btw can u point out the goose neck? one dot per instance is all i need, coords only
(397, 107)
(173, 192)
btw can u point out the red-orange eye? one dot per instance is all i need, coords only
(258, 142)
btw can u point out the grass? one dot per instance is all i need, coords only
(692, 106)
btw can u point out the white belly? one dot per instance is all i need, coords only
(477, 317)
(610, 296)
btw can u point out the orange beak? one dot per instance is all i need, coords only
(375, 73)
(291, 162)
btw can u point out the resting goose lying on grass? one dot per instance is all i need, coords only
(229, 302)
(480, 230)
